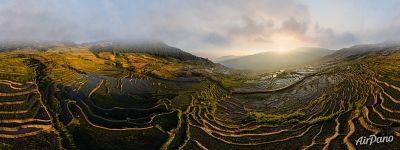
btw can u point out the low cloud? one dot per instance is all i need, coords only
(43, 20)
(216, 39)
(191, 25)
(326, 37)
(294, 26)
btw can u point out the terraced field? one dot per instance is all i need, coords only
(24, 119)
(46, 102)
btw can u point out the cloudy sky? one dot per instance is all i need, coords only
(209, 28)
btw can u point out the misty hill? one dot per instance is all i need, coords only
(275, 60)
(224, 58)
(364, 49)
(39, 45)
(156, 48)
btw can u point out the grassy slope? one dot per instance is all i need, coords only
(192, 114)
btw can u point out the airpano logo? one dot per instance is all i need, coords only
(372, 139)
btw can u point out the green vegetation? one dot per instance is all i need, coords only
(281, 119)
(125, 97)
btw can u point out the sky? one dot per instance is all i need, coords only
(208, 28)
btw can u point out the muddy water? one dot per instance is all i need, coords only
(115, 86)
(279, 101)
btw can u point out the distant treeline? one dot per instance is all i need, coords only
(158, 49)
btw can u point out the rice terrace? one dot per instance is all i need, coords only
(74, 96)
(145, 94)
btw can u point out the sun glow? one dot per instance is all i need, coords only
(285, 42)
(278, 42)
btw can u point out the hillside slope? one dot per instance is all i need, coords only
(362, 50)
(156, 48)
(71, 98)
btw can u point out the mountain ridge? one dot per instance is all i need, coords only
(356, 51)
(154, 47)
(276, 60)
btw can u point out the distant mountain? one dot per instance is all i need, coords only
(224, 58)
(156, 48)
(39, 45)
(363, 49)
(275, 60)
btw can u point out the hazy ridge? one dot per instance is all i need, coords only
(276, 60)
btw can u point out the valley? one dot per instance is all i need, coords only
(115, 96)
